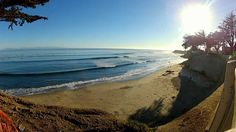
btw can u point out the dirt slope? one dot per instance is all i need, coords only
(196, 119)
(31, 117)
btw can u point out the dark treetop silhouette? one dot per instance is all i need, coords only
(11, 11)
(222, 41)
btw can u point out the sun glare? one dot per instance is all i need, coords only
(195, 18)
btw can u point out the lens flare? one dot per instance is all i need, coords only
(195, 18)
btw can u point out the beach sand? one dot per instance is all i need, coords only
(119, 98)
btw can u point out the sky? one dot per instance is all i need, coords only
(132, 24)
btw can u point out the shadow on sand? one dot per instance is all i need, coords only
(189, 96)
(150, 115)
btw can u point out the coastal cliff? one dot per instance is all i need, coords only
(179, 52)
(206, 70)
(200, 76)
(199, 93)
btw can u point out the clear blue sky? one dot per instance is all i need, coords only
(107, 24)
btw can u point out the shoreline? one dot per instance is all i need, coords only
(122, 98)
(81, 84)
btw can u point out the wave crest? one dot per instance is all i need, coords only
(64, 71)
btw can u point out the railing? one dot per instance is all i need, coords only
(225, 115)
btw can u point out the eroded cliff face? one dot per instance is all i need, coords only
(206, 70)
(200, 76)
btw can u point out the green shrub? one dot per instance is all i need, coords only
(234, 53)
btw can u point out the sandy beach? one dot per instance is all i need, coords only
(119, 98)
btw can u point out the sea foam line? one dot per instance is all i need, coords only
(78, 84)
(71, 85)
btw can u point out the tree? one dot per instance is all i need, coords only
(12, 11)
(217, 40)
(228, 27)
(224, 39)
(189, 42)
(201, 39)
(196, 41)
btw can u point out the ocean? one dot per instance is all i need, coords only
(30, 71)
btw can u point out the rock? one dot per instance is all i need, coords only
(210, 65)
(21, 128)
(197, 78)
(179, 52)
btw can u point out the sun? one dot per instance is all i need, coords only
(195, 18)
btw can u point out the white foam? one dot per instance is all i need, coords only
(75, 85)
(101, 63)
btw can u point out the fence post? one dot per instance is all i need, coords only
(224, 114)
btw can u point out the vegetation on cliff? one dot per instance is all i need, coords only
(220, 41)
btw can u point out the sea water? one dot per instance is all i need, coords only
(29, 71)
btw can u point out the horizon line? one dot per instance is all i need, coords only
(109, 48)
